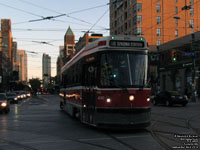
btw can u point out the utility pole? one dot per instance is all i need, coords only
(188, 7)
(193, 68)
(158, 70)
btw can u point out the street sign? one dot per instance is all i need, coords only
(189, 54)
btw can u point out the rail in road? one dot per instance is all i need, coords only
(176, 132)
(45, 112)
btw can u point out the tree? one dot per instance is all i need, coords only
(35, 84)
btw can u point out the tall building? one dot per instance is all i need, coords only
(6, 35)
(159, 21)
(69, 42)
(14, 57)
(22, 61)
(0, 39)
(60, 63)
(46, 70)
(87, 39)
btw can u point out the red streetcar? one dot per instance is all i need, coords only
(105, 84)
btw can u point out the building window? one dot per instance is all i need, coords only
(134, 8)
(129, 12)
(176, 33)
(176, 10)
(139, 19)
(125, 5)
(175, 1)
(176, 22)
(126, 27)
(158, 20)
(191, 2)
(139, 7)
(129, 24)
(158, 8)
(134, 20)
(139, 30)
(135, 31)
(158, 42)
(191, 23)
(129, 2)
(158, 32)
(192, 12)
(122, 28)
(125, 15)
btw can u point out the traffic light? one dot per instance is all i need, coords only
(173, 56)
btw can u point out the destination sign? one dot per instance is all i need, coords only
(126, 43)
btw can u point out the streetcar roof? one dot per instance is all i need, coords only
(102, 43)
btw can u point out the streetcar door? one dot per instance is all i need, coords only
(89, 94)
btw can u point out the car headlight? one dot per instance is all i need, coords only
(15, 98)
(4, 104)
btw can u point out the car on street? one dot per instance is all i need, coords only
(12, 97)
(4, 103)
(170, 98)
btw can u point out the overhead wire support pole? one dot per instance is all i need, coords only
(193, 68)
(188, 7)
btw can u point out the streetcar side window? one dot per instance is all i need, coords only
(73, 75)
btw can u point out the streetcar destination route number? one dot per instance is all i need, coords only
(126, 43)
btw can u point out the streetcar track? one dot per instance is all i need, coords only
(16, 144)
(155, 133)
(67, 139)
(172, 124)
(121, 142)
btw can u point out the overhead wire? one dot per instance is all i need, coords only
(99, 19)
(67, 14)
(20, 10)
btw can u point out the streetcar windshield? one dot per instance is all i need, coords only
(123, 69)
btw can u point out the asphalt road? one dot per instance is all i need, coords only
(38, 124)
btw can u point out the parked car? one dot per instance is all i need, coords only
(4, 103)
(12, 97)
(170, 98)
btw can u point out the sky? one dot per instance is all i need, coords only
(81, 16)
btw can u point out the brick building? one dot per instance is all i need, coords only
(159, 21)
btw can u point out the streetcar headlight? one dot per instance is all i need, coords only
(148, 99)
(4, 104)
(108, 100)
(131, 98)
